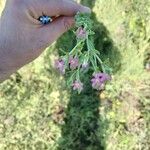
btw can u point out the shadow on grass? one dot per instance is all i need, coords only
(82, 127)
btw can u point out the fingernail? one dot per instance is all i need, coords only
(85, 9)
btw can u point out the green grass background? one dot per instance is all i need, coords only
(38, 112)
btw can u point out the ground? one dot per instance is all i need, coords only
(37, 111)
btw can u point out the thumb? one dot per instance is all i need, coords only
(53, 31)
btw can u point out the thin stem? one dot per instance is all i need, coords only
(78, 74)
(73, 50)
(100, 61)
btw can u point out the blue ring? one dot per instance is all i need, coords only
(45, 20)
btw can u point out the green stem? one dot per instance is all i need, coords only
(78, 74)
(74, 49)
(100, 61)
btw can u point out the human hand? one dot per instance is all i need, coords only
(23, 38)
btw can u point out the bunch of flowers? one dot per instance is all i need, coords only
(78, 61)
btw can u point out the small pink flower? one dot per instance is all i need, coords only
(81, 33)
(99, 80)
(78, 85)
(60, 65)
(74, 62)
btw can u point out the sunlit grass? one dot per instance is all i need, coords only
(34, 101)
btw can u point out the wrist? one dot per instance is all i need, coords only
(6, 67)
(3, 66)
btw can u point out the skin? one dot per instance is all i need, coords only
(23, 38)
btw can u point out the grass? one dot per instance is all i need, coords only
(37, 111)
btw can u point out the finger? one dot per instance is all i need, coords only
(53, 31)
(62, 7)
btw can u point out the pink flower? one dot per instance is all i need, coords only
(78, 85)
(81, 33)
(60, 65)
(99, 80)
(74, 62)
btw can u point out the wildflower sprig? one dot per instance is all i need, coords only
(83, 57)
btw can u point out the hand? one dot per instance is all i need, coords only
(23, 38)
